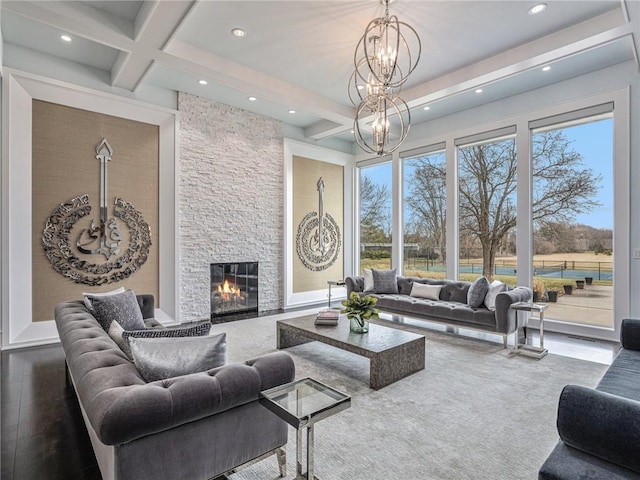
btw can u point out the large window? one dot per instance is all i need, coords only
(573, 220)
(375, 216)
(424, 213)
(487, 209)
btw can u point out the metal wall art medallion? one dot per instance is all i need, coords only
(318, 239)
(103, 239)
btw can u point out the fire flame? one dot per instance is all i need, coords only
(227, 291)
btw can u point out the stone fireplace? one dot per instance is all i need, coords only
(234, 290)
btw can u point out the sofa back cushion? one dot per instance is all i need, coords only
(405, 284)
(385, 281)
(455, 292)
(477, 291)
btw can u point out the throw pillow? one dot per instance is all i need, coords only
(495, 288)
(368, 280)
(115, 332)
(191, 329)
(121, 307)
(385, 281)
(160, 358)
(87, 296)
(420, 290)
(477, 291)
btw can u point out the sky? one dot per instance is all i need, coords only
(594, 141)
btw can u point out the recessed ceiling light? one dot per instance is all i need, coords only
(65, 38)
(479, 90)
(292, 111)
(546, 69)
(238, 32)
(537, 8)
(202, 82)
(252, 99)
(427, 107)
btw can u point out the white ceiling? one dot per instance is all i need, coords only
(299, 54)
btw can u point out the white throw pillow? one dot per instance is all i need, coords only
(87, 299)
(421, 290)
(495, 288)
(368, 280)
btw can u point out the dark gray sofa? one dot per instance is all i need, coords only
(600, 428)
(503, 321)
(195, 426)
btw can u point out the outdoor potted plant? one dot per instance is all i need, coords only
(588, 280)
(553, 295)
(359, 310)
(538, 289)
(568, 289)
(580, 284)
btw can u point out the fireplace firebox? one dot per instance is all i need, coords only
(234, 290)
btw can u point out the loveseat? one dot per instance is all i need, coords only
(600, 428)
(195, 426)
(451, 305)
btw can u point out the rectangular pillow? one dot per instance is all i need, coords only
(385, 281)
(420, 290)
(160, 358)
(191, 329)
(121, 307)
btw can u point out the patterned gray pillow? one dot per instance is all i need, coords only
(385, 281)
(160, 358)
(192, 329)
(477, 291)
(122, 307)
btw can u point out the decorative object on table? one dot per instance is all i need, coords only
(568, 289)
(318, 239)
(383, 61)
(359, 310)
(580, 284)
(327, 317)
(104, 238)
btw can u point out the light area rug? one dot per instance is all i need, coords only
(475, 412)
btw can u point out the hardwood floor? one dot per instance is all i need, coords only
(43, 433)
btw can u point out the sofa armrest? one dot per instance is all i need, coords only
(601, 424)
(354, 284)
(506, 318)
(630, 334)
(123, 414)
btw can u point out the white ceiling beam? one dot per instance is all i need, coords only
(155, 24)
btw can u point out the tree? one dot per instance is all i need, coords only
(374, 210)
(427, 200)
(563, 188)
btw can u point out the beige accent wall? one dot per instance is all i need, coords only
(64, 166)
(306, 173)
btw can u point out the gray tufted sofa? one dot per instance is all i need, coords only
(600, 428)
(192, 427)
(450, 308)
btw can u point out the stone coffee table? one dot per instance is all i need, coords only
(393, 354)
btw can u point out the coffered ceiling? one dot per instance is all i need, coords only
(298, 55)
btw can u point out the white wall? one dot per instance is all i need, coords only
(230, 198)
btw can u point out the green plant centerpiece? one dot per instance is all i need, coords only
(359, 310)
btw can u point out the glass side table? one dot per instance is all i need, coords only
(301, 404)
(530, 350)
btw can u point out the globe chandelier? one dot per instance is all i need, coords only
(383, 61)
